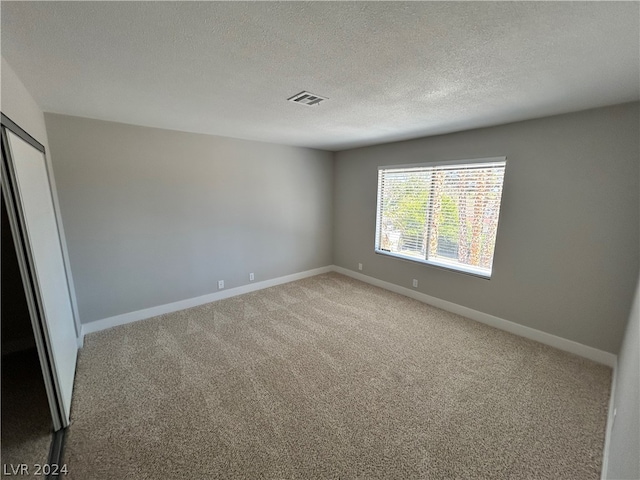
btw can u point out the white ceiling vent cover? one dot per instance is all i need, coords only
(307, 98)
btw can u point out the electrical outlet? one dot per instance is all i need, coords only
(220, 284)
(251, 277)
(415, 283)
(359, 266)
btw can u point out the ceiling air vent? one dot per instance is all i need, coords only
(307, 98)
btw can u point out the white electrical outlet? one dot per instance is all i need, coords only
(415, 283)
(359, 266)
(251, 277)
(220, 284)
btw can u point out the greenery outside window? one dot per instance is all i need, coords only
(444, 214)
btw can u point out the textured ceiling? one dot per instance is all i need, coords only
(391, 70)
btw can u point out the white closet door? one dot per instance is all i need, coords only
(33, 188)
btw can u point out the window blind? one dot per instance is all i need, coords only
(442, 214)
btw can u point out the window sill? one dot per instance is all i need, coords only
(474, 272)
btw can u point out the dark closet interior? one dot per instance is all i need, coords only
(26, 418)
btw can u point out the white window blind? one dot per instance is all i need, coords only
(441, 214)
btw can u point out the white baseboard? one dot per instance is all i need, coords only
(560, 343)
(610, 421)
(130, 317)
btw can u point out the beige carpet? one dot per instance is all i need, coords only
(329, 377)
(26, 418)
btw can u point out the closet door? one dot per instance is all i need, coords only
(26, 178)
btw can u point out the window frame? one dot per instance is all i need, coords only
(457, 268)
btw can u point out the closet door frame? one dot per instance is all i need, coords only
(29, 279)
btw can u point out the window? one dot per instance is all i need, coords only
(443, 214)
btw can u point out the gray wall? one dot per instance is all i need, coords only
(624, 443)
(155, 216)
(623, 461)
(566, 257)
(19, 105)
